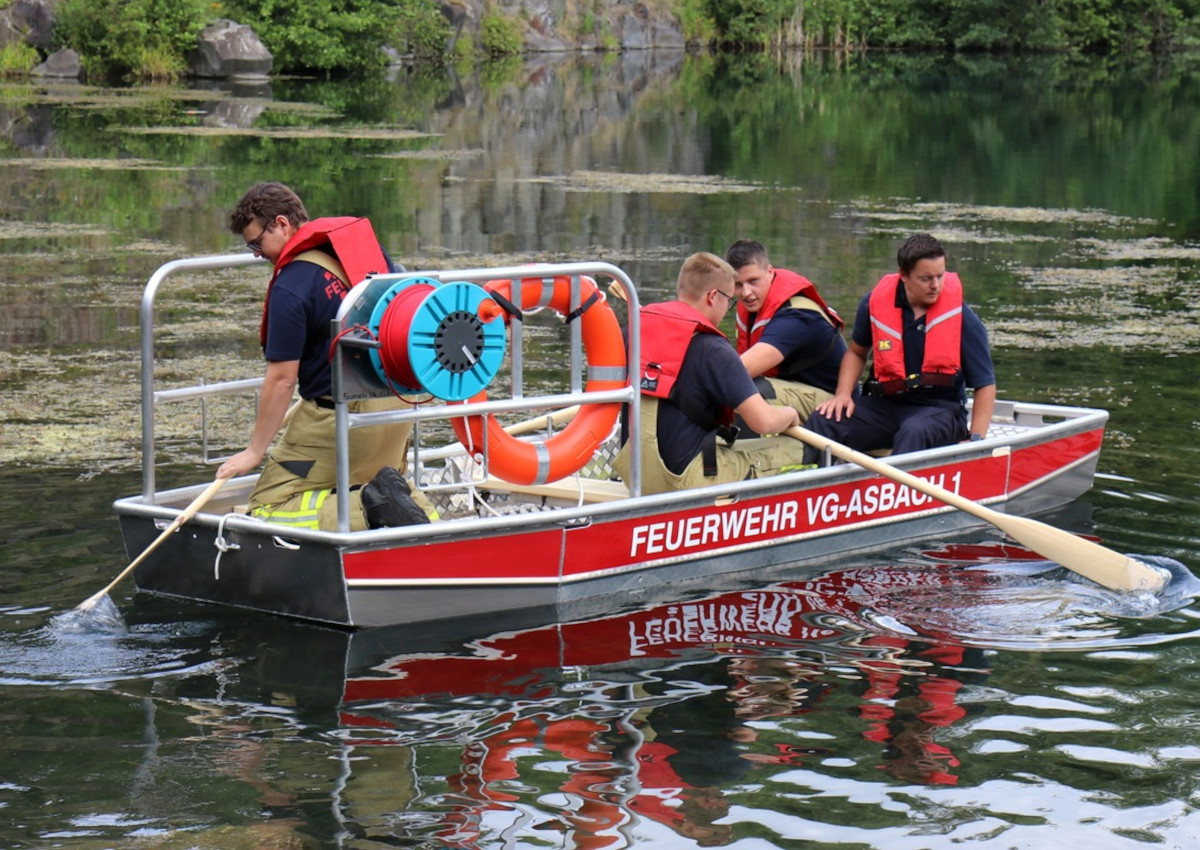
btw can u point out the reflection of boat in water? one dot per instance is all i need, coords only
(649, 722)
(539, 521)
(828, 614)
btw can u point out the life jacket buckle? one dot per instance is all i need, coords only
(650, 376)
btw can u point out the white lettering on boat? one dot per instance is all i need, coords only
(712, 528)
(741, 524)
(745, 622)
(881, 497)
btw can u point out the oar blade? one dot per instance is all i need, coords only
(1091, 560)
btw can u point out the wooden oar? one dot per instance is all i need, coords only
(543, 421)
(187, 513)
(1091, 560)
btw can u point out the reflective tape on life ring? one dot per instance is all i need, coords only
(569, 450)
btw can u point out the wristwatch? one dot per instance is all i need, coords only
(975, 438)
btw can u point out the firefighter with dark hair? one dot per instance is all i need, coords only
(926, 348)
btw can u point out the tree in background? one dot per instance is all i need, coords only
(132, 39)
(750, 23)
(151, 39)
(990, 25)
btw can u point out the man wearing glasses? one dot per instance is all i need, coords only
(788, 338)
(315, 264)
(692, 385)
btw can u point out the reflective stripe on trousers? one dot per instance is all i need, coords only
(305, 514)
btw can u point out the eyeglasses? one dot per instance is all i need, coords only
(255, 244)
(733, 299)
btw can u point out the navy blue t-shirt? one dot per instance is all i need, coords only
(305, 298)
(711, 377)
(812, 348)
(976, 355)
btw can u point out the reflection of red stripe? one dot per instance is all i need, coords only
(974, 553)
(346, 718)
(513, 664)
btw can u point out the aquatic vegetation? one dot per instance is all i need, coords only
(691, 184)
(339, 132)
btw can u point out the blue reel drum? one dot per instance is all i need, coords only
(432, 338)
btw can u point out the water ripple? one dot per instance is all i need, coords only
(89, 648)
(1037, 605)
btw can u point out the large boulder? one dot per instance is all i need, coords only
(63, 63)
(30, 21)
(229, 49)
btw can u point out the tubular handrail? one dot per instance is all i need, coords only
(344, 420)
(146, 321)
(629, 395)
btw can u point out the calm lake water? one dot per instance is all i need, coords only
(961, 693)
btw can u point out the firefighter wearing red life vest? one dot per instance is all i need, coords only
(789, 339)
(691, 375)
(315, 264)
(926, 348)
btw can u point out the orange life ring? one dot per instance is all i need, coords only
(570, 449)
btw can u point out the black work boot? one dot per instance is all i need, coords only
(387, 501)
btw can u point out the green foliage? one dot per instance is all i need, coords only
(992, 25)
(420, 29)
(321, 35)
(748, 23)
(17, 59)
(150, 39)
(696, 21)
(133, 39)
(1126, 24)
(500, 35)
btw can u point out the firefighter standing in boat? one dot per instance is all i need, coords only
(927, 346)
(316, 262)
(692, 385)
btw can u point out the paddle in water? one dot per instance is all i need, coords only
(190, 511)
(1091, 560)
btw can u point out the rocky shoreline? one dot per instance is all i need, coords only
(228, 49)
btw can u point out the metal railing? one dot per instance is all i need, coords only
(352, 381)
(151, 398)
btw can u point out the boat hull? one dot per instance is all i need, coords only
(620, 552)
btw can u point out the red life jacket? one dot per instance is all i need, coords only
(943, 337)
(667, 330)
(352, 242)
(785, 285)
